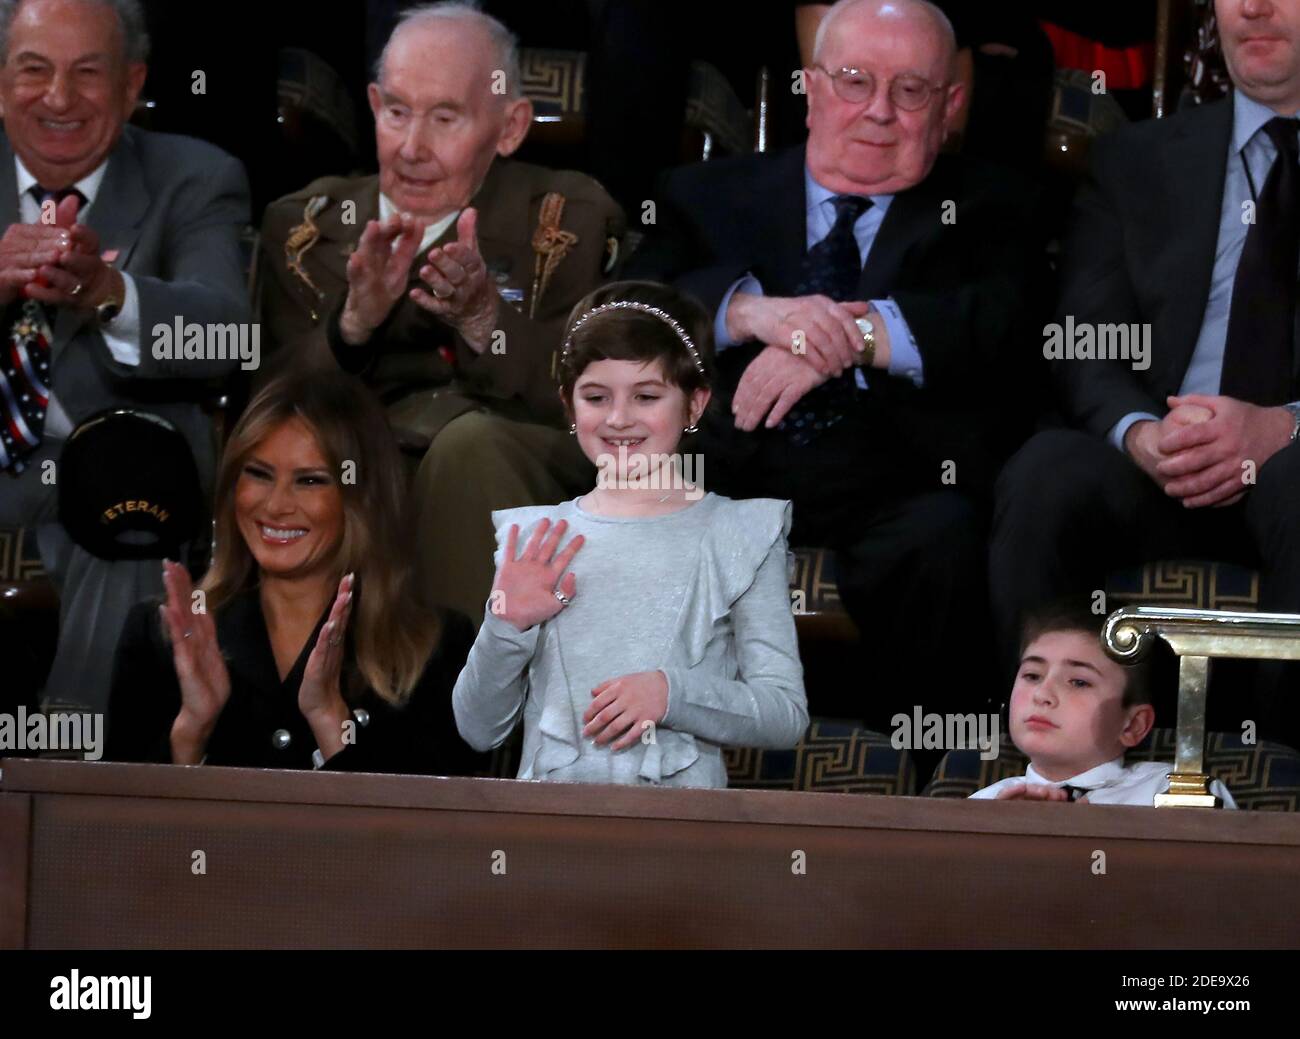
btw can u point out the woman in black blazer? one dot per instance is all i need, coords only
(304, 644)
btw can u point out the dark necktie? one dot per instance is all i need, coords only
(832, 267)
(1257, 355)
(43, 195)
(25, 369)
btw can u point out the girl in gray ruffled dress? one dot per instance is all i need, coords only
(646, 624)
(642, 627)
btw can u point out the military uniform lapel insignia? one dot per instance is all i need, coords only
(551, 243)
(300, 241)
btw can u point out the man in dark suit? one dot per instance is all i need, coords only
(113, 232)
(445, 282)
(871, 296)
(1181, 273)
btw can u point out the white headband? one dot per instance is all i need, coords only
(645, 308)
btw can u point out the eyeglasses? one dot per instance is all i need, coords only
(857, 87)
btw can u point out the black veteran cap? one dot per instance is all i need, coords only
(128, 487)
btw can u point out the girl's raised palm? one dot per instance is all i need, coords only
(524, 592)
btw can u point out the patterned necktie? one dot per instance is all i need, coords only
(24, 385)
(1258, 351)
(831, 268)
(25, 369)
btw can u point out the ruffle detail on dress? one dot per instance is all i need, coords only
(671, 752)
(527, 517)
(558, 742)
(740, 536)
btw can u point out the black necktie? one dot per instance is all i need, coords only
(832, 267)
(1257, 355)
(43, 195)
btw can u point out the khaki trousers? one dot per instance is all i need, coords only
(479, 462)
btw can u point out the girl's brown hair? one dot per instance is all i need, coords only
(392, 634)
(633, 335)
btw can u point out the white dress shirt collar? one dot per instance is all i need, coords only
(1105, 774)
(88, 185)
(431, 233)
(819, 196)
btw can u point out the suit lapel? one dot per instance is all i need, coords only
(1194, 173)
(245, 644)
(781, 233)
(118, 210)
(338, 239)
(8, 184)
(506, 228)
(912, 215)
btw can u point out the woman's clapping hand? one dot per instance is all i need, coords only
(200, 668)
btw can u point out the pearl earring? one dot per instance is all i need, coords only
(692, 428)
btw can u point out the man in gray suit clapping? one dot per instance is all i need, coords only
(117, 237)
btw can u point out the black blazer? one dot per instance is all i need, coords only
(1141, 250)
(418, 738)
(972, 291)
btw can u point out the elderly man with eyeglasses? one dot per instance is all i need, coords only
(875, 311)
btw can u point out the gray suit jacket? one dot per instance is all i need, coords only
(173, 207)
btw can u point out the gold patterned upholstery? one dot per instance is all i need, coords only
(814, 580)
(831, 757)
(553, 81)
(1196, 584)
(19, 558)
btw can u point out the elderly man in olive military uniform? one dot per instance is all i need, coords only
(445, 282)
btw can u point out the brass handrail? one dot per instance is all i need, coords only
(1196, 637)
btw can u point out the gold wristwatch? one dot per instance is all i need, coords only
(111, 307)
(868, 355)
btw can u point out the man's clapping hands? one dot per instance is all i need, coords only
(57, 264)
(456, 287)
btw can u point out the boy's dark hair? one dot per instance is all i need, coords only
(1070, 615)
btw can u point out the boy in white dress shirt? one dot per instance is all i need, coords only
(1074, 712)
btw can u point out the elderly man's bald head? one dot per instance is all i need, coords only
(464, 22)
(847, 16)
(880, 95)
(446, 101)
